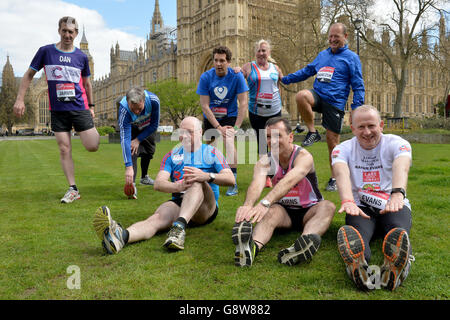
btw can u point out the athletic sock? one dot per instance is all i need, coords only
(257, 248)
(125, 236)
(145, 162)
(74, 187)
(234, 170)
(181, 222)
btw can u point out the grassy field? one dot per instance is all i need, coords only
(40, 238)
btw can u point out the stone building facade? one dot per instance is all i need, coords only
(292, 28)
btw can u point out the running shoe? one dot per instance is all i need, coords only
(232, 191)
(310, 138)
(175, 239)
(245, 246)
(351, 247)
(331, 185)
(397, 258)
(301, 251)
(147, 180)
(71, 195)
(108, 230)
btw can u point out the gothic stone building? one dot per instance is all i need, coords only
(290, 25)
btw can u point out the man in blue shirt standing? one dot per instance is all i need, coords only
(192, 172)
(138, 121)
(220, 89)
(337, 68)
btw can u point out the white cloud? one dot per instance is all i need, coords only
(31, 24)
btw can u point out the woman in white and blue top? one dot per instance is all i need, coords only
(263, 79)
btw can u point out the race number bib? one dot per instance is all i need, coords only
(264, 98)
(376, 199)
(292, 198)
(325, 74)
(219, 112)
(65, 92)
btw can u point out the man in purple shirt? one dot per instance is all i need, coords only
(70, 97)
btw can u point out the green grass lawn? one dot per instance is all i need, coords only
(40, 237)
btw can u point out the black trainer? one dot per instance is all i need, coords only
(301, 251)
(331, 185)
(310, 138)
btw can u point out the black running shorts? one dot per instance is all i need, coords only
(147, 146)
(296, 214)
(63, 121)
(332, 117)
(192, 224)
(213, 133)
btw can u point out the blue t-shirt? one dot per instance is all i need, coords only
(207, 158)
(147, 123)
(222, 91)
(64, 72)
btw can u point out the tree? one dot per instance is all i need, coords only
(8, 96)
(178, 100)
(400, 42)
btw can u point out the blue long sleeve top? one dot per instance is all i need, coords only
(336, 73)
(147, 122)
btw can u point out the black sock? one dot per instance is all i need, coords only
(74, 187)
(125, 235)
(257, 249)
(181, 222)
(145, 162)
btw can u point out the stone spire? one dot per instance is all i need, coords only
(8, 77)
(157, 20)
(84, 46)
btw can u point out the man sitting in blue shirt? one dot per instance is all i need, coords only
(337, 69)
(194, 170)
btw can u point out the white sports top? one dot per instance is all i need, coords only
(371, 170)
(264, 95)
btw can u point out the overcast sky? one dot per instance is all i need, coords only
(27, 25)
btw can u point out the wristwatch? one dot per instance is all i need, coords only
(400, 190)
(212, 177)
(265, 203)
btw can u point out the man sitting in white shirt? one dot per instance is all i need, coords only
(371, 171)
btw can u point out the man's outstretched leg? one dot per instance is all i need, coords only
(198, 206)
(315, 223)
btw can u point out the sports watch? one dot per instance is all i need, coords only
(212, 177)
(265, 203)
(399, 190)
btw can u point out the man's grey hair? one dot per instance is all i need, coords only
(68, 21)
(342, 25)
(367, 108)
(135, 95)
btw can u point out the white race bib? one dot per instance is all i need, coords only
(376, 199)
(65, 92)
(325, 74)
(219, 112)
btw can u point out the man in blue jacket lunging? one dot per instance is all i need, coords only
(337, 69)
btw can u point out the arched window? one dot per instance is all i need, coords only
(44, 113)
